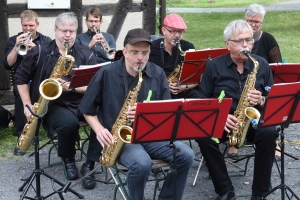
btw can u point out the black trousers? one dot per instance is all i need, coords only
(264, 140)
(94, 149)
(66, 124)
(20, 118)
(193, 93)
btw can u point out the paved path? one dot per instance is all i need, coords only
(286, 6)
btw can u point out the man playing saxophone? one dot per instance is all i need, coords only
(12, 59)
(168, 54)
(107, 91)
(62, 118)
(98, 42)
(229, 73)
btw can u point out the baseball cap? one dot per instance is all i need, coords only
(137, 35)
(174, 21)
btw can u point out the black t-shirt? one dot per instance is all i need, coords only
(165, 60)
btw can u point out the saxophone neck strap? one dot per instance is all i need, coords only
(125, 79)
(162, 55)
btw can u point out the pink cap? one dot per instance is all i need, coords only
(174, 21)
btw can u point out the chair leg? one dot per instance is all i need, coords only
(199, 167)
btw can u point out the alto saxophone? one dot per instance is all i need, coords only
(109, 52)
(121, 127)
(49, 89)
(173, 77)
(245, 112)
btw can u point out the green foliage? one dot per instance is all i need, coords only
(205, 30)
(216, 3)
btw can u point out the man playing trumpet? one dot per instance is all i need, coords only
(11, 60)
(93, 38)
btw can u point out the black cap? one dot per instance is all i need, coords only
(137, 35)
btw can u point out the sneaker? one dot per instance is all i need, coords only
(18, 152)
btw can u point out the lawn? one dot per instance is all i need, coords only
(205, 30)
(216, 3)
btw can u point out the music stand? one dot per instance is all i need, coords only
(195, 62)
(37, 172)
(282, 108)
(179, 119)
(82, 76)
(287, 72)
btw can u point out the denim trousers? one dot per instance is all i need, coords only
(137, 158)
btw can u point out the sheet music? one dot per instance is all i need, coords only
(96, 65)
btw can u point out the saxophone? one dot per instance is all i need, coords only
(245, 112)
(49, 89)
(121, 127)
(173, 77)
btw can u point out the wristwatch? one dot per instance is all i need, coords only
(73, 90)
(186, 87)
(262, 102)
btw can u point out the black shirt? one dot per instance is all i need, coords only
(85, 39)
(221, 74)
(107, 90)
(169, 60)
(40, 38)
(40, 68)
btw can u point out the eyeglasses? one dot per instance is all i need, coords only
(251, 22)
(175, 31)
(66, 31)
(136, 53)
(93, 21)
(241, 41)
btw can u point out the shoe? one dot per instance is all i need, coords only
(230, 195)
(88, 182)
(71, 168)
(233, 156)
(277, 158)
(256, 197)
(18, 152)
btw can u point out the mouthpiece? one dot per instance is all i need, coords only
(245, 51)
(140, 67)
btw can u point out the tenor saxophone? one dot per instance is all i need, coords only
(245, 112)
(173, 77)
(49, 89)
(121, 127)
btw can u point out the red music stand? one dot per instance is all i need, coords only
(285, 72)
(179, 119)
(82, 76)
(194, 64)
(282, 108)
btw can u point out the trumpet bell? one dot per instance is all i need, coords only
(21, 49)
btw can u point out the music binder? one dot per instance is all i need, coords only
(156, 120)
(195, 62)
(82, 76)
(285, 72)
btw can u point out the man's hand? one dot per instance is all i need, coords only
(254, 97)
(27, 112)
(131, 113)
(231, 123)
(176, 89)
(104, 137)
(64, 84)
(95, 39)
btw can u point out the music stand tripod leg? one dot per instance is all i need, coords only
(37, 172)
(282, 186)
(199, 167)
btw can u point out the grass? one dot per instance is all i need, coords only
(8, 141)
(216, 4)
(205, 30)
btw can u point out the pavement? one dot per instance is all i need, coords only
(13, 168)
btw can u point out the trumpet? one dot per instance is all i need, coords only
(22, 47)
(109, 52)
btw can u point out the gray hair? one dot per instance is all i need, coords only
(67, 17)
(237, 27)
(255, 9)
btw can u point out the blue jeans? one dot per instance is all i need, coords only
(137, 158)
